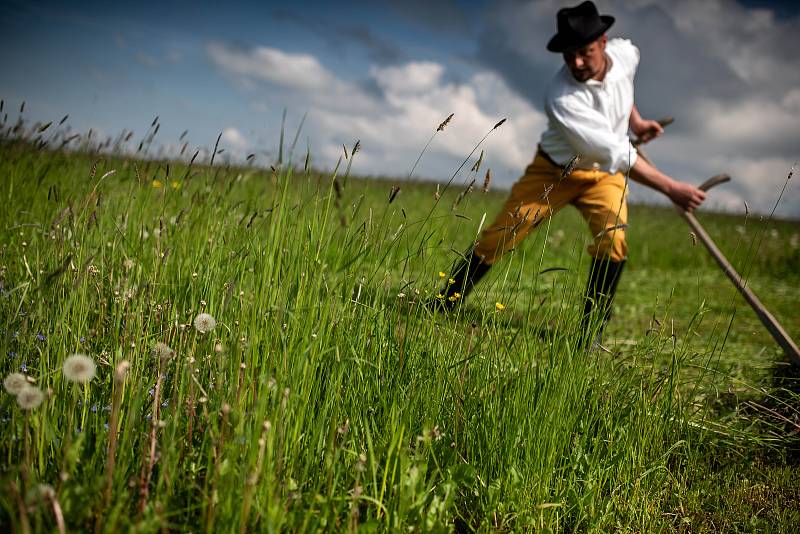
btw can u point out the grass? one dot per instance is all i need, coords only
(328, 397)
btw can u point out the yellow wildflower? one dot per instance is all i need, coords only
(499, 307)
(175, 184)
(441, 274)
(157, 183)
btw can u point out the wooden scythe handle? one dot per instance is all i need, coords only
(770, 322)
(714, 180)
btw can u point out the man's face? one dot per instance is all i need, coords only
(588, 61)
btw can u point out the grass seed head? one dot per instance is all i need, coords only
(445, 122)
(487, 180)
(30, 397)
(204, 323)
(15, 382)
(477, 165)
(79, 368)
(570, 166)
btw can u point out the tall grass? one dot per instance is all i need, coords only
(328, 396)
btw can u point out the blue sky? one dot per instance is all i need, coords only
(387, 72)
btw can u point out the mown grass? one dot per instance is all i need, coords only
(328, 397)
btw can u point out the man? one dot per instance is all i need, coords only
(582, 159)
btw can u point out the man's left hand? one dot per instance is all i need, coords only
(646, 130)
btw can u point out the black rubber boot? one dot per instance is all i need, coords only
(603, 279)
(464, 276)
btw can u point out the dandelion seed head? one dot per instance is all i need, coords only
(121, 371)
(30, 397)
(79, 368)
(162, 351)
(204, 323)
(39, 494)
(15, 382)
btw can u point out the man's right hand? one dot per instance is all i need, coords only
(686, 195)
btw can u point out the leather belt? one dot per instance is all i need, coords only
(547, 157)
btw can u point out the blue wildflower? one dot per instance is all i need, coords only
(41, 337)
(23, 368)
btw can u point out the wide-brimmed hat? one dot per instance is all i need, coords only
(578, 26)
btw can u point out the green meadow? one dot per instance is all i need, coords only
(323, 394)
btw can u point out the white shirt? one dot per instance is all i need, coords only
(591, 118)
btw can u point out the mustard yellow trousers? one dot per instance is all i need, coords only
(542, 191)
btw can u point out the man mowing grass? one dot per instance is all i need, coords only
(583, 159)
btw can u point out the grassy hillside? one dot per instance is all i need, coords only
(328, 397)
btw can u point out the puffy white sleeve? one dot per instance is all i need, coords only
(627, 53)
(590, 135)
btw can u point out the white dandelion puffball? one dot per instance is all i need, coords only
(162, 351)
(30, 397)
(204, 323)
(15, 382)
(79, 368)
(40, 493)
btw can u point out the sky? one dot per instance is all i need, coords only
(387, 72)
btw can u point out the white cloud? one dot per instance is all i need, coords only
(749, 41)
(409, 78)
(234, 138)
(395, 120)
(297, 71)
(302, 78)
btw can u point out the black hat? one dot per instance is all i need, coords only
(578, 26)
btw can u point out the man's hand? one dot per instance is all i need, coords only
(646, 130)
(686, 195)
